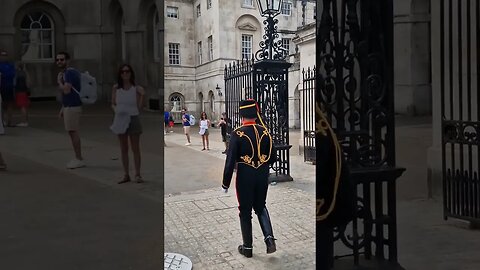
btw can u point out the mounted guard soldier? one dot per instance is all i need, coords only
(251, 151)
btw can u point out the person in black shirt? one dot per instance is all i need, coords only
(225, 127)
(251, 151)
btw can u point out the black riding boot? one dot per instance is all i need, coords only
(247, 247)
(266, 225)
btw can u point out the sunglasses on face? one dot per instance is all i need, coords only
(59, 59)
(125, 71)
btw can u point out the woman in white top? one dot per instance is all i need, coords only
(127, 100)
(204, 124)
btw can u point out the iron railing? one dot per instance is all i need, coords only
(307, 114)
(355, 60)
(459, 106)
(266, 81)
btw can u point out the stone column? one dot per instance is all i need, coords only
(412, 57)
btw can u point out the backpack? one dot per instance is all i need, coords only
(88, 92)
(192, 120)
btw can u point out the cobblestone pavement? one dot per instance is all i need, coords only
(205, 227)
(204, 224)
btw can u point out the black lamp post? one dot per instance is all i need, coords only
(269, 48)
(219, 93)
(270, 88)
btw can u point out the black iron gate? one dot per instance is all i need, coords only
(460, 99)
(355, 73)
(307, 114)
(267, 83)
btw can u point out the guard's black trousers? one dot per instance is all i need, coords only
(252, 187)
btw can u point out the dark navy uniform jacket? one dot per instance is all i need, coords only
(251, 149)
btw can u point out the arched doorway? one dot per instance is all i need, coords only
(201, 104)
(211, 107)
(177, 103)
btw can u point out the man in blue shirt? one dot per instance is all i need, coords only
(186, 125)
(7, 75)
(166, 117)
(68, 80)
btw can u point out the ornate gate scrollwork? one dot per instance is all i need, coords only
(355, 69)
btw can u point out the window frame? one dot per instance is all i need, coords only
(245, 5)
(210, 48)
(176, 12)
(243, 42)
(41, 44)
(199, 53)
(289, 40)
(170, 54)
(199, 10)
(289, 4)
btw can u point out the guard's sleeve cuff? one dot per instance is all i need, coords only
(225, 187)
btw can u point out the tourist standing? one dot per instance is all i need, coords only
(204, 124)
(69, 84)
(186, 125)
(225, 126)
(127, 101)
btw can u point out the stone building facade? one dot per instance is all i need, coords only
(98, 34)
(202, 36)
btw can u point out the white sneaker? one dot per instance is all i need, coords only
(75, 163)
(22, 124)
(188, 144)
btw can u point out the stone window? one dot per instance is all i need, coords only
(172, 12)
(247, 47)
(174, 53)
(199, 11)
(247, 3)
(287, 8)
(37, 32)
(209, 4)
(210, 48)
(199, 50)
(286, 44)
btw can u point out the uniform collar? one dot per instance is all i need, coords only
(249, 123)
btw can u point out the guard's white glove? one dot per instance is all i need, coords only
(225, 190)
